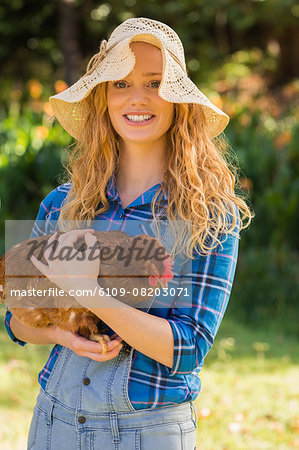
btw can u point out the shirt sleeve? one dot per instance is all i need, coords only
(194, 328)
(40, 228)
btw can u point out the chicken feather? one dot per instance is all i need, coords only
(116, 271)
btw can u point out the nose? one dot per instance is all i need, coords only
(138, 95)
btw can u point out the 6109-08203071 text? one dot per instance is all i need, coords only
(112, 292)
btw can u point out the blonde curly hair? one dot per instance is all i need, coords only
(199, 180)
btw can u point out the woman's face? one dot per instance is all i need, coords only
(137, 113)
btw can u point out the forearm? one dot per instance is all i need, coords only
(42, 336)
(148, 334)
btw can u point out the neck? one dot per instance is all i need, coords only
(140, 167)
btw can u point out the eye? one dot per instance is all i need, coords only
(155, 83)
(118, 83)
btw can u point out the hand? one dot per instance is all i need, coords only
(72, 273)
(84, 347)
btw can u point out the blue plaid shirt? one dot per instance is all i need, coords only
(152, 384)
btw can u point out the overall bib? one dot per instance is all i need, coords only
(86, 406)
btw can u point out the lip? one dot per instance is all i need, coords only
(138, 124)
(139, 113)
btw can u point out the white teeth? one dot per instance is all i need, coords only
(139, 118)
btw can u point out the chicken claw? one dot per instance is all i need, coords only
(102, 339)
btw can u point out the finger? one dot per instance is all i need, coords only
(53, 237)
(97, 349)
(116, 336)
(63, 240)
(108, 355)
(54, 240)
(86, 345)
(90, 236)
(102, 358)
(72, 236)
(40, 266)
(68, 239)
(64, 237)
(111, 345)
(91, 240)
(45, 270)
(89, 230)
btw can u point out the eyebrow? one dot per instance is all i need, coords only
(148, 74)
(151, 74)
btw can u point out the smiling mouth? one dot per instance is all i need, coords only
(139, 119)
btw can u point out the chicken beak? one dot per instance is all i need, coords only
(147, 265)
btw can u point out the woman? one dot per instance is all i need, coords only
(145, 149)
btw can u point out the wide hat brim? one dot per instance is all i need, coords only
(70, 106)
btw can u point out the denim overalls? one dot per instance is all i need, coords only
(86, 406)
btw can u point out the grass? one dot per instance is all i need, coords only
(249, 397)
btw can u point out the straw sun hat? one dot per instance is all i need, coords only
(115, 61)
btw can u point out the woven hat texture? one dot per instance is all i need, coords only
(115, 61)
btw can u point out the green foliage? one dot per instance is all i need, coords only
(30, 164)
(273, 174)
(266, 288)
(266, 284)
(264, 135)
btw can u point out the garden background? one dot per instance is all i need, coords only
(243, 56)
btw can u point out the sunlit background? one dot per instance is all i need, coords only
(244, 56)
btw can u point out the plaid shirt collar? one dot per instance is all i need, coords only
(144, 198)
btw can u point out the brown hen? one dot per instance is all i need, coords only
(148, 267)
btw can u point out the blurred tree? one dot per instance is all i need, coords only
(53, 37)
(69, 38)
